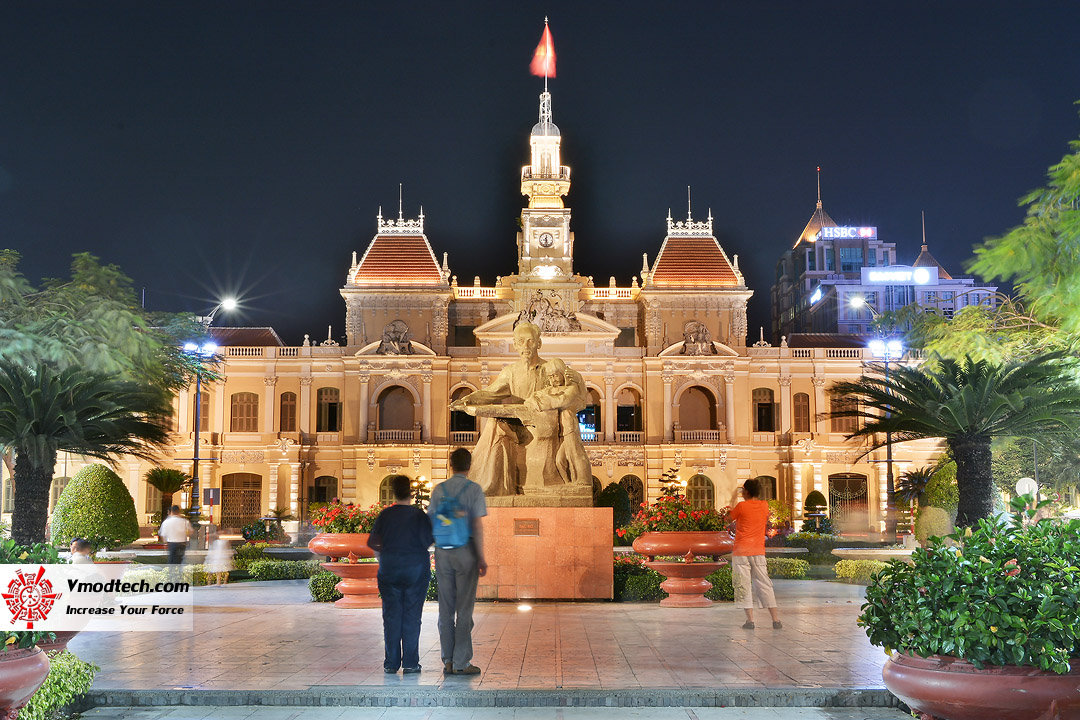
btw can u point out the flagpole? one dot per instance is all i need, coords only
(547, 64)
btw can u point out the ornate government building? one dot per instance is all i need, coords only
(672, 382)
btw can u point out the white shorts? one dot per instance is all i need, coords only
(753, 588)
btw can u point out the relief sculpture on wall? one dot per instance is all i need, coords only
(396, 340)
(546, 313)
(697, 340)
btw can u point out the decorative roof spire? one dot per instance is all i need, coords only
(400, 205)
(819, 187)
(923, 213)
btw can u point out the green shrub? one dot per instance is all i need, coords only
(322, 586)
(68, 678)
(249, 553)
(282, 569)
(97, 506)
(859, 571)
(722, 590)
(644, 587)
(615, 497)
(819, 524)
(941, 491)
(790, 568)
(815, 502)
(932, 522)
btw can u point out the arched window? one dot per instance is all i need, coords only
(843, 424)
(461, 421)
(589, 419)
(800, 412)
(395, 409)
(200, 407)
(764, 410)
(697, 409)
(244, 412)
(288, 412)
(699, 491)
(768, 487)
(324, 489)
(386, 493)
(635, 489)
(329, 410)
(628, 411)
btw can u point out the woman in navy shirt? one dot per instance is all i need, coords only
(402, 537)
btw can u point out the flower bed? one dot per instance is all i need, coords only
(674, 513)
(339, 517)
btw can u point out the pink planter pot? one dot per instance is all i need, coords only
(953, 689)
(358, 587)
(686, 584)
(21, 673)
(63, 637)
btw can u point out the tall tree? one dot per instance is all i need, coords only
(967, 403)
(44, 410)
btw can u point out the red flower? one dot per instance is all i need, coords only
(682, 515)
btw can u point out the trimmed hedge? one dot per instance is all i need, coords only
(790, 568)
(859, 571)
(248, 553)
(322, 584)
(96, 506)
(282, 569)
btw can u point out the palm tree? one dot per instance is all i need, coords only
(966, 403)
(913, 484)
(44, 410)
(167, 481)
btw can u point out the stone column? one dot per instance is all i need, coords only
(303, 414)
(294, 489)
(817, 478)
(273, 485)
(362, 433)
(797, 486)
(820, 406)
(183, 423)
(784, 424)
(729, 406)
(218, 422)
(667, 407)
(609, 406)
(425, 434)
(269, 405)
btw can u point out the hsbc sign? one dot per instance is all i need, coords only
(848, 233)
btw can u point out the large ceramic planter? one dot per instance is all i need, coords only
(21, 673)
(359, 587)
(953, 689)
(686, 584)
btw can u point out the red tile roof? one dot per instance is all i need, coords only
(398, 260)
(692, 261)
(246, 336)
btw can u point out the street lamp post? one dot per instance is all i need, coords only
(885, 349)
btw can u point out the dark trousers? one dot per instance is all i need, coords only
(176, 552)
(403, 584)
(457, 573)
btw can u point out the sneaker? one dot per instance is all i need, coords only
(412, 670)
(748, 625)
(469, 669)
(777, 625)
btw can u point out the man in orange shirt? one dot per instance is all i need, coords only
(748, 571)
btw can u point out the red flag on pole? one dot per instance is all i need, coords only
(543, 62)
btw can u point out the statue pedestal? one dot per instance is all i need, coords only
(547, 553)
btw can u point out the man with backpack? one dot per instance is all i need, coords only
(455, 510)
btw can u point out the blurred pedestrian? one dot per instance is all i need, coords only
(219, 559)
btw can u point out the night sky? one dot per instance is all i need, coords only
(245, 147)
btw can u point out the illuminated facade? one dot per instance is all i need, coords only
(830, 265)
(672, 381)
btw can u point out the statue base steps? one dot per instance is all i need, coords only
(547, 553)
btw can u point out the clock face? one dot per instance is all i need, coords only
(546, 240)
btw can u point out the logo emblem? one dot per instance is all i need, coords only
(30, 598)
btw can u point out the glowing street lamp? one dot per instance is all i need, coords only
(885, 349)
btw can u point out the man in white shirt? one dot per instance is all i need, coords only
(174, 532)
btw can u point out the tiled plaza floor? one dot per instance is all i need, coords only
(269, 636)
(263, 713)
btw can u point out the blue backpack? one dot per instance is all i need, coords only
(450, 525)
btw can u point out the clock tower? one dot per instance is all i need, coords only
(545, 243)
